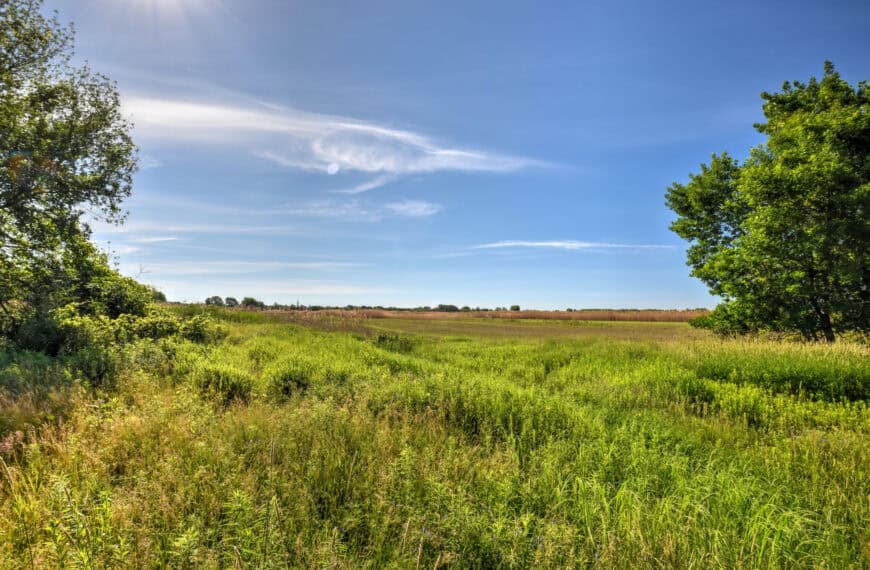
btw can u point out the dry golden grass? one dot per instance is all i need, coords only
(537, 330)
(643, 315)
(367, 322)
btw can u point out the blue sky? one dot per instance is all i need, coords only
(416, 153)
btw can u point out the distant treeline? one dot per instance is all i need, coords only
(445, 311)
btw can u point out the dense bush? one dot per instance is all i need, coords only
(94, 306)
(114, 295)
(287, 377)
(224, 382)
(200, 328)
(74, 331)
(394, 342)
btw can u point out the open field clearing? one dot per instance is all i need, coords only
(631, 315)
(541, 329)
(486, 324)
(628, 445)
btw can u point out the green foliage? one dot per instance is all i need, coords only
(224, 382)
(64, 149)
(783, 237)
(287, 377)
(97, 365)
(730, 320)
(395, 342)
(231, 302)
(201, 328)
(251, 303)
(157, 296)
(288, 447)
(515, 307)
(114, 295)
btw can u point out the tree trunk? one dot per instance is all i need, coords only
(824, 318)
(825, 324)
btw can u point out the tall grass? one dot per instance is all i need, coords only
(289, 446)
(630, 315)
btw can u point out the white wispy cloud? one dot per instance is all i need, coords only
(356, 211)
(413, 208)
(351, 210)
(153, 239)
(366, 186)
(241, 267)
(568, 245)
(125, 249)
(147, 162)
(195, 228)
(286, 290)
(297, 139)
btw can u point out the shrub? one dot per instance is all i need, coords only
(200, 328)
(95, 364)
(287, 377)
(115, 295)
(722, 321)
(39, 332)
(224, 382)
(394, 342)
(157, 296)
(156, 325)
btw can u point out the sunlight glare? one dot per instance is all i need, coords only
(169, 10)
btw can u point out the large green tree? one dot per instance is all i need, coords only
(783, 237)
(65, 151)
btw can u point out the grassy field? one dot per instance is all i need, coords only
(629, 315)
(421, 443)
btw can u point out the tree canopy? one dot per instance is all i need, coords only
(65, 151)
(783, 237)
(252, 303)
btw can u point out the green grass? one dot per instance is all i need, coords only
(540, 329)
(423, 444)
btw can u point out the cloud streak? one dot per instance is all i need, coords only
(286, 290)
(355, 211)
(154, 239)
(567, 245)
(351, 211)
(242, 267)
(297, 139)
(195, 228)
(366, 186)
(413, 208)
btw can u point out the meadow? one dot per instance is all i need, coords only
(352, 442)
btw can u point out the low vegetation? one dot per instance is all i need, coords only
(144, 435)
(635, 315)
(286, 445)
